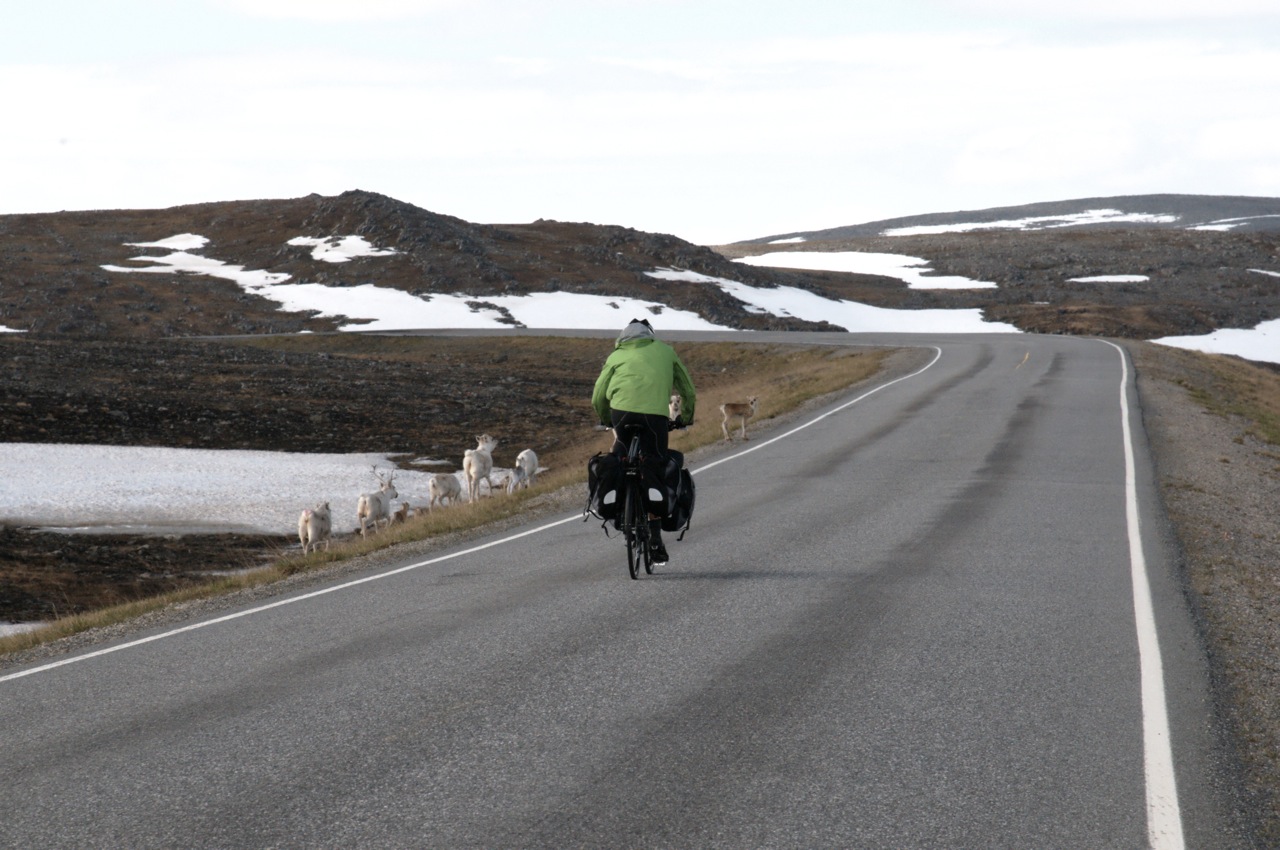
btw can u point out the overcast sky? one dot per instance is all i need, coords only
(714, 121)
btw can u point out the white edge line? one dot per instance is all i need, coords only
(1164, 817)
(937, 353)
(574, 518)
(282, 602)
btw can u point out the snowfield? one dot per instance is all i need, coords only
(132, 489)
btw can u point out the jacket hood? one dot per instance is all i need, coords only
(637, 330)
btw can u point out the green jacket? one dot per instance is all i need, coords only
(639, 376)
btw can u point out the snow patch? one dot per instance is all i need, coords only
(1224, 224)
(911, 270)
(188, 263)
(854, 317)
(341, 249)
(1044, 222)
(181, 242)
(1261, 343)
(121, 489)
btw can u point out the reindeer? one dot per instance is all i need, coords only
(675, 407)
(526, 470)
(441, 486)
(477, 464)
(376, 507)
(401, 514)
(739, 411)
(315, 524)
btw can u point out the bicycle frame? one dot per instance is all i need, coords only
(635, 512)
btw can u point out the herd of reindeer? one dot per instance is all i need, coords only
(373, 510)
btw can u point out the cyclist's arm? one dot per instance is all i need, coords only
(600, 396)
(683, 385)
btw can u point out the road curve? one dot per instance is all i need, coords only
(909, 623)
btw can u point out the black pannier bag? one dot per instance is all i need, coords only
(657, 486)
(678, 484)
(682, 497)
(668, 488)
(604, 486)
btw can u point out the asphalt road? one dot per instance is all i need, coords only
(909, 623)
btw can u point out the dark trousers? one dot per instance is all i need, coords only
(653, 432)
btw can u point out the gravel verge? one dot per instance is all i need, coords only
(1221, 485)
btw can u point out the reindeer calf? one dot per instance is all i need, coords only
(315, 524)
(441, 486)
(738, 411)
(526, 470)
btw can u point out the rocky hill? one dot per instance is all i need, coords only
(1235, 213)
(1203, 258)
(53, 281)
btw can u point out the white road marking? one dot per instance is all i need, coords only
(1164, 817)
(937, 353)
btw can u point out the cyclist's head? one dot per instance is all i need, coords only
(637, 329)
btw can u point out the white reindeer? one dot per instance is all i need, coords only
(525, 472)
(441, 486)
(315, 524)
(376, 507)
(477, 464)
(739, 411)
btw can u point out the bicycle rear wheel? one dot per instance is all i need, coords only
(631, 508)
(646, 542)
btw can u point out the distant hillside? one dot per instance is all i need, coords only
(1219, 212)
(52, 276)
(1144, 266)
(1202, 263)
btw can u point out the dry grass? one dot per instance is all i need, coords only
(1229, 386)
(784, 377)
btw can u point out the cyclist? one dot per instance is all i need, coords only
(635, 386)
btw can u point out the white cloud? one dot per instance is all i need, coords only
(335, 11)
(623, 111)
(1015, 154)
(1237, 138)
(1133, 10)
